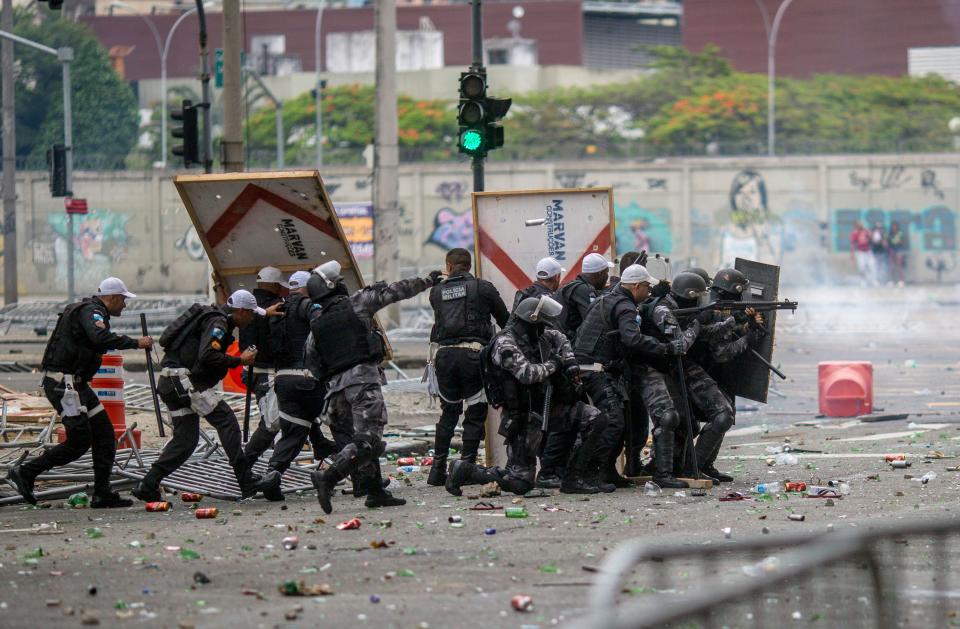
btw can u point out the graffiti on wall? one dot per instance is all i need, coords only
(642, 229)
(191, 244)
(452, 229)
(100, 239)
(932, 229)
(753, 231)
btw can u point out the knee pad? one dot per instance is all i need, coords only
(723, 420)
(669, 422)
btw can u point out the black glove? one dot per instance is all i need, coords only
(706, 317)
(434, 277)
(556, 362)
(572, 371)
(695, 326)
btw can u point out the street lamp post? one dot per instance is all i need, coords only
(320, 81)
(772, 30)
(162, 50)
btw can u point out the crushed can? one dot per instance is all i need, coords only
(792, 486)
(894, 457)
(157, 506)
(521, 603)
(206, 514)
(407, 460)
(188, 497)
(349, 525)
(426, 461)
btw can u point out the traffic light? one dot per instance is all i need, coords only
(471, 113)
(57, 166)
(479, 115)
(55, 5)
(189, 132)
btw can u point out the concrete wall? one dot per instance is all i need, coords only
(797, 212)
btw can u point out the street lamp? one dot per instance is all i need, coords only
(320, 81)
(772, 30)
(162, 50)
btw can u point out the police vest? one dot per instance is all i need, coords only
(289, 333)
(258, 332)
(459, 313)
(596, 339)
(534, 290)
(569, 318)
(68, 352)
(343, 340)
(184, 350)
(501, 387)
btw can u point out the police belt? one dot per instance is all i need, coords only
(174, 372)
(465, 345)
(302, 373)
(59, 375)
(267, 370)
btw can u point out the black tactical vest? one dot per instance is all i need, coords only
(569, 318)
(460, 315)
(258, 332)
(534, 290)
(597, 337)
(294, 328)
(343, 340)
(186, 350)
(69, 350)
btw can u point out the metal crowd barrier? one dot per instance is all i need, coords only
(894, 575)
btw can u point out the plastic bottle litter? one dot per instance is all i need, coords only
(157, 506)
(842, 486)
(768, 566)
(521, 603)
(652, 489)
(79, 500)
(206, 514)
(515, 512)
(786, 459)
(291, 543)
(408, 469)
(768, 488)
(94, 532)
(349, 525)
(926, 478)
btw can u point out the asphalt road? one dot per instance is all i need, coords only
(429, 573)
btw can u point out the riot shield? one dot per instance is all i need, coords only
(746, 376)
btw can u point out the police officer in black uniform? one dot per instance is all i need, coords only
(269, 291)
(72, 357)
(463, 306)
(577, 295)
(195, 361)
(547, 282)
(299, 394)
(610, 336)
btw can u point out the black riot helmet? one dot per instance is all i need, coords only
(687, 286)
(702, 273)
(324, 280)
(731, 284)
(538, 309)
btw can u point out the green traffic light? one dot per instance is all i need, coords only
(471, 140)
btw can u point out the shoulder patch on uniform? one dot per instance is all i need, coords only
(217, 333)
(216, 345)
(97, 316)
(316, 307)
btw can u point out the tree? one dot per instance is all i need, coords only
(104, 107)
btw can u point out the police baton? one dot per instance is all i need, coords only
(153, 378)
(246, 405)
(689, 453)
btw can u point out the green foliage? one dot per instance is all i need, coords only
(104, 107)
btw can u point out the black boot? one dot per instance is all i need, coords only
(591, 477)
(438, 471)
(470, 451)
(465, 473)
(326, 481)
(548, 479)
(22, 481)
(663, 463)
(250, 483)
(707, 449)
(610, 475)
(148, 490)
(377, 496)
(716, 474)
(271, 486)
(109, 500)
(573, 479)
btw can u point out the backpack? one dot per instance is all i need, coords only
(492, 376)
(177, 332)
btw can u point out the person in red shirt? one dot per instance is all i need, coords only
(861, 253)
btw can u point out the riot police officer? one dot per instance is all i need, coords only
(299, 394)
(610, 339)
(344, 351)
(269, 291)
(577, 295)
(522, 359)
(462, 308)
(548, 281)
(72, 357)
(194, 363)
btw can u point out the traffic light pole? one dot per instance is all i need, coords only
(477, 28)
(205, 92)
